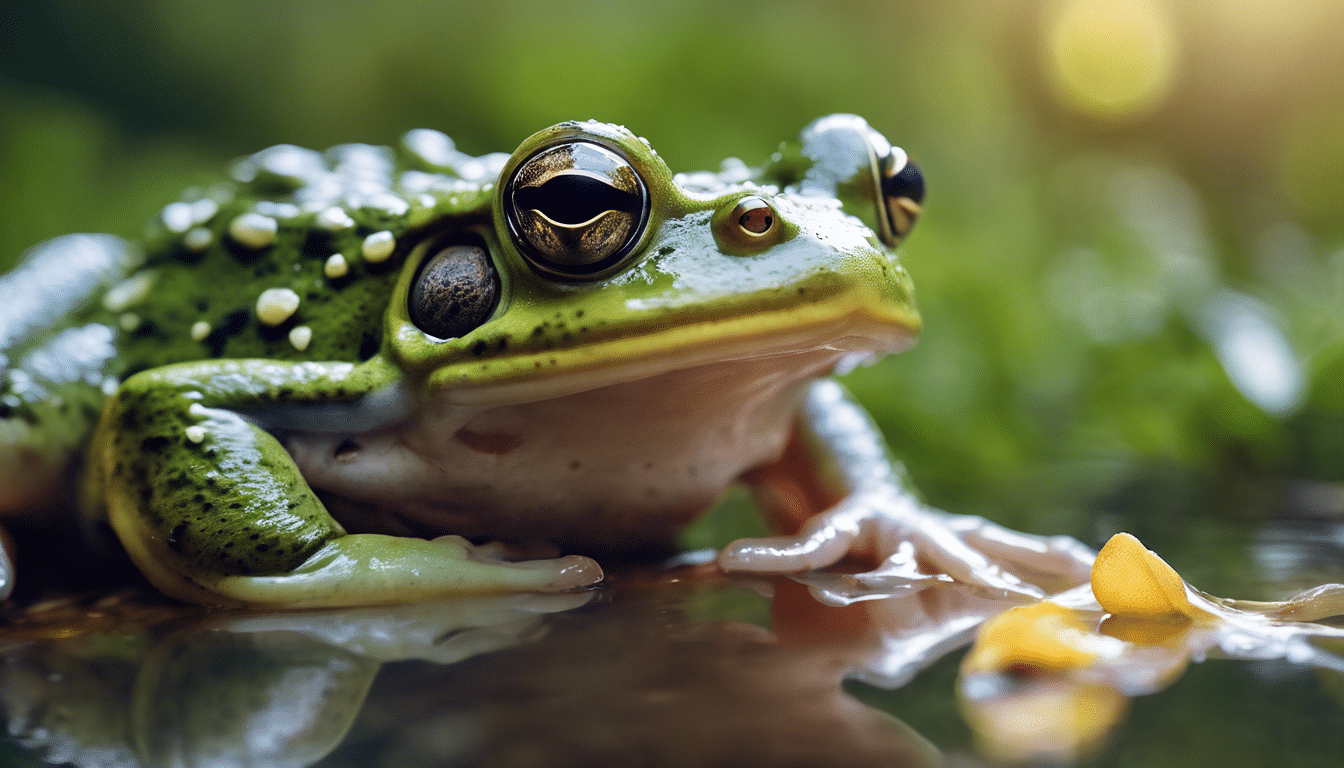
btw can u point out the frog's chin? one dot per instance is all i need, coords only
(852, 340)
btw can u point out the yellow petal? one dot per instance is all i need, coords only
(1129, 580)
(1042, 635)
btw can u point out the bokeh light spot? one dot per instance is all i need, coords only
(1111, 58)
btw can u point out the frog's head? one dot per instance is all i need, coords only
(598, 265)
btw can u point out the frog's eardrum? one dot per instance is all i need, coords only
(455, 292)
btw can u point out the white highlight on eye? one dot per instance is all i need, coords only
(378, 246)
(198, 239)
(253, 230)
(199, 330)
(276, 305)
(196, 433)
(301, 336)
(128, 292)
(336, 266)
(334, 218)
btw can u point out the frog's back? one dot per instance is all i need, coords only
(293, 258)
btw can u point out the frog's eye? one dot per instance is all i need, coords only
(754, 217)
(455, 292)
(750, 226)
(901, 187)
(576, 210)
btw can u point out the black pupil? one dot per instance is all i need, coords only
(574, 199)
(908, 183)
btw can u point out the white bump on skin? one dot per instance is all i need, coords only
(199, 330)
(301, 337)
(276, 305)
(197, 411)
(203, 210)
(334, 219)
(378, 246)
(177, 217)
(196, 433)
(129, 322)
(336, 266)
(253, 230)
(198, 239)
(128, 292)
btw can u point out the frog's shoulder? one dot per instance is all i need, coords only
(294, 255)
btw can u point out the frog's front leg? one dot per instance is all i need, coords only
(214, 511)
(838, 492)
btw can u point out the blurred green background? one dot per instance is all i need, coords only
(1130, 263)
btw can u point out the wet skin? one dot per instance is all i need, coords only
(306, 373)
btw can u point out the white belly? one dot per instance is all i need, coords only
(622, 466)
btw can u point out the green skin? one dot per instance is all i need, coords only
(185, 460)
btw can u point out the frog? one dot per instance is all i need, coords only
(387, 374)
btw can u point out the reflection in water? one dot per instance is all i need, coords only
(664, 667)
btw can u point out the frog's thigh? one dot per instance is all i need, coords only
(212, 510)
(199, 493)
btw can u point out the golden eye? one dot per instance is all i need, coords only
(754, 216)
(576, 210)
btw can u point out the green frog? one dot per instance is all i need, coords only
(345, 377)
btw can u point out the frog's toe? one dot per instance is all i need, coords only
(1059, 556)
(824, 541)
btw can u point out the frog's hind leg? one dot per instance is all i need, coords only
(213, 510)
(55, 359)
(56, 353)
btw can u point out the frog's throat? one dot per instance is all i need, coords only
(858, 334)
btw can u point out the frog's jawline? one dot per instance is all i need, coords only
(621, 466)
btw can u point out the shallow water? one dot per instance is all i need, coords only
(660, 666)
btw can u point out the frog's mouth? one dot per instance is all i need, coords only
(849, 334)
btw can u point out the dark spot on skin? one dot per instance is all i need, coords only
(503, 344)
(198, 498)
(154, 444)
(494, 444)
(175, 538)
(255, 536)
(273, 333)
(579, 313)
(478, 348)
(802, 291)
(202, 306)
(368, 347)
(263, 548)
(575, 464)
(346, 450)
(665, 250)
(538, 331)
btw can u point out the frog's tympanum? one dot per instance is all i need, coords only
(305, 375)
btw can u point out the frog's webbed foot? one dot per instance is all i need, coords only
(917, 547)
